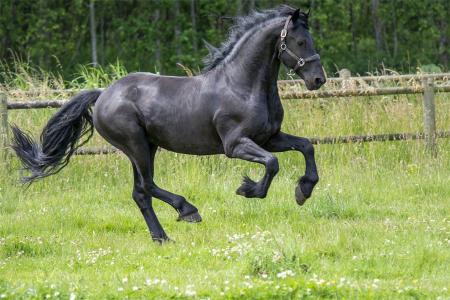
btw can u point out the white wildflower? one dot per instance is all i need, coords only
(190, 292)
(284, 274)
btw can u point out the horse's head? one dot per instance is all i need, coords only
(296, 50)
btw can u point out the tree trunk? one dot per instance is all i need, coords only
(93, 33)
(377, 26)
(252, 5)
(443, 48)
(156, 17)
(239, 7)
(102, 39)
(177, 27)
(352, 27)
(444, 42)
(395, 34)
(194, 27)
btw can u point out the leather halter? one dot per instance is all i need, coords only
(284, 48)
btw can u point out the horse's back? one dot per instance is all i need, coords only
(175, 112)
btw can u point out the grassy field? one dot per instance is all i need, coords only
(377, 226)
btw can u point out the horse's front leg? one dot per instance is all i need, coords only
(285, 142)
(245, 148)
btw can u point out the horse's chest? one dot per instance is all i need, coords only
(266, 125)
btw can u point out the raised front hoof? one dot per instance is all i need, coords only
(191, 218)
(299, 196)
(250, 189)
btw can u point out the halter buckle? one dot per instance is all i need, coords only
(283, 33)
(301, 62)
(283, 46)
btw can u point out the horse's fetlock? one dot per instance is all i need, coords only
(314, 179)
(179, 201)
(187, 208)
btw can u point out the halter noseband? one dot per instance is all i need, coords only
(283, 47)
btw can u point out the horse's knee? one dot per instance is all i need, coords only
(230, 149)
(272, 165)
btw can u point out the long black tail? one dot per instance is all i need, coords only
(59, 139)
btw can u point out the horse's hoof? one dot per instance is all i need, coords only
(299, 196)
(191, 218)
(161, 241)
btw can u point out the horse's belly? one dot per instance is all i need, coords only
(183, 137)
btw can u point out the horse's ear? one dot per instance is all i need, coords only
(295, 15)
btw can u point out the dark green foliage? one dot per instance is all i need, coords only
(363, 36)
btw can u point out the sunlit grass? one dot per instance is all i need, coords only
(374, 227)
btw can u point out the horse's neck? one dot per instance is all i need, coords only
(255, 63)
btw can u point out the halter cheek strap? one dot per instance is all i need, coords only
(284, 48)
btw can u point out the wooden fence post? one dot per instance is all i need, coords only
(429, 115)
(345, 74)
(3, 127)
(347, 82)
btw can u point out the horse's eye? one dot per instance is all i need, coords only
(301, 43)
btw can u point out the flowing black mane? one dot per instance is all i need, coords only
(243, 25)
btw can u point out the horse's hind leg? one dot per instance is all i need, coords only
(187, 211)
(144, 202)
(131, 139)
(141, 191)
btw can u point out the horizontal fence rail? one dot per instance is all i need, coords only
(285, 83)
(283, 95)
(345, 81)
(96, 150)
(314, 140)
(376, 138)
(406, 77)
(426, 87)
(360, 92)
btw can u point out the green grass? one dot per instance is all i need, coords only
(377, 225)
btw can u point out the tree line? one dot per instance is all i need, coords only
(155, 35)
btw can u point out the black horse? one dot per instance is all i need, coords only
(232, 108)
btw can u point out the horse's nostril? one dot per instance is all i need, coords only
(319, 81)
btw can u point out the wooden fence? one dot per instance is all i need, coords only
(345, 75)
(427, 88)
